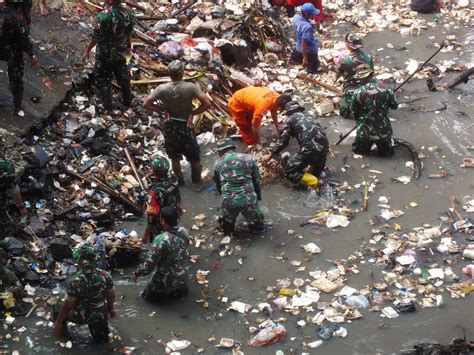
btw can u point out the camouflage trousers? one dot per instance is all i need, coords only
(180, 140)
(16, 70)
(295, 166)
(151, 294)
(99, 326)
(364, 146)
(105, 70)
(251, 213)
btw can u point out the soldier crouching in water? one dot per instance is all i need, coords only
(90, 297)
(168, 260)
(237, 180)
(313, 142)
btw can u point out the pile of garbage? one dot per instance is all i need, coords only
(94, 167)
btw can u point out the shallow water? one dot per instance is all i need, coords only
(140, 324)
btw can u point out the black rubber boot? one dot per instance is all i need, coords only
(17, 101)
(196, 170)
(106, 96)
(127, 96)
(179, 175)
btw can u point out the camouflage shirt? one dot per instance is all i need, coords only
(307, 131)
(350, 64)
(88, 289)
(166, 193)
(113, 27)
(237, 179)
(169, 256)
(15, 32)
(370, 105)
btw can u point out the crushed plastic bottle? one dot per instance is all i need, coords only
(270, 333)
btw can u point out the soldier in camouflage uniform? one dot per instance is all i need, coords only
(348, 66)
(90, 297)
(9, 188)
(164, 192)
(370, 105)
(15, 40)
(311, 138)
(175, 101)
(168, 258)
(112, 35)
(237, 179)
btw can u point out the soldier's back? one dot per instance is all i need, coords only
(90, 289)
(167, 191)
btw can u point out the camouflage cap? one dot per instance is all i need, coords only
(85, 256)
(175, 67)
(225, 143)
(292, 107)
(363, 71)
(353, 41)
(160, 164)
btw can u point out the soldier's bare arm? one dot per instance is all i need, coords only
(66, 309)
(149, 104)
(110, 303)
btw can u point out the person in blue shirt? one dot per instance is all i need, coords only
(306, 51)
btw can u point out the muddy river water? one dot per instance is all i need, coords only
(140, 324)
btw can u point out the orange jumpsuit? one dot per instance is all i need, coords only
(248, 106)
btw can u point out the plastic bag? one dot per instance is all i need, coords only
(406, 307)
(358, 301)
(270, 334)
(327, 332)
(171, 50)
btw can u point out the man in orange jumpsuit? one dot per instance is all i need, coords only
(249, 105)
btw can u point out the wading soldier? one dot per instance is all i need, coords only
(175, 101)
(348, 66)
(313, 144)
(14, 40)
(370, 105)
(90, 297)
(112, 35)
(164, 192)
(168, 258)
(237, 180)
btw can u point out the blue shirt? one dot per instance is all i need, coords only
(304, 32)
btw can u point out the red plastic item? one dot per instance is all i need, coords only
(272, 333)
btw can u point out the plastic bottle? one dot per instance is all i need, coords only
(29, 343)
(468, 254)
